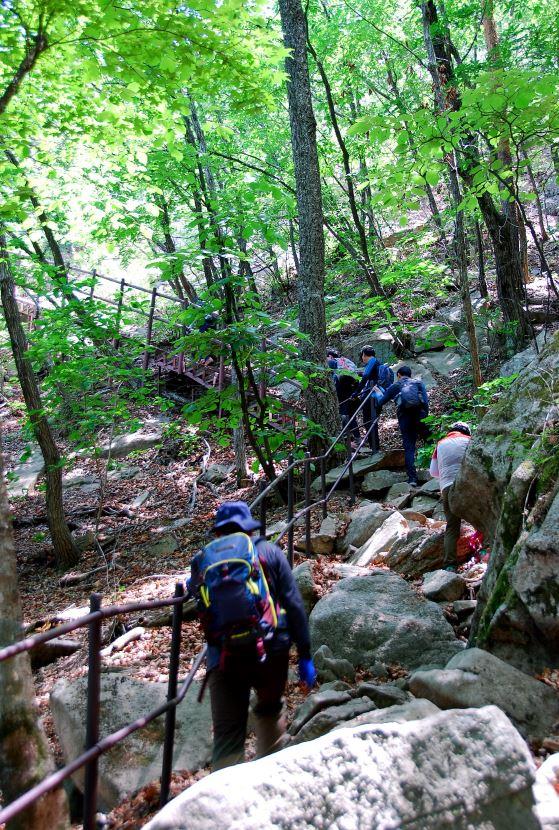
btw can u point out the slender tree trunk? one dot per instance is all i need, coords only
(543, 233)
(24, 749)
(483, 290)
(64, 548)
(502, 231)
(37, 44)
(320, 397)
(456, 196)
(176, 271)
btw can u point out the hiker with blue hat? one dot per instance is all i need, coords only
(250, 610)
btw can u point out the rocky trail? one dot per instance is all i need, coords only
(389, 628)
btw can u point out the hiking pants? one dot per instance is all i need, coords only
(230, 697)
(347, 410)
(452, 532)
(408, 422)
(369, 415)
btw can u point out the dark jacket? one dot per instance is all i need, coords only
(283, 588)
(370, 375)
(394, 390)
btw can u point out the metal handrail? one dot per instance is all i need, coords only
(316, 458)
(104, 745)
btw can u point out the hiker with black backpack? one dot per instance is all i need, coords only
(250, 610)
(412, 405)
(375, 374)
(345, 381)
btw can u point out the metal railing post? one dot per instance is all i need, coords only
(116, 339)
(307, 503)
(263, 508)
(290, 510)
(92, 716)
(171, 714)
(350, 470)
(323, 486)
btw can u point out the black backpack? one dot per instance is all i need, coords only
(411, 394)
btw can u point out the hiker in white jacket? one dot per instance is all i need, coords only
(445, 464)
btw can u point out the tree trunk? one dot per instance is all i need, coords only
(320, 397)
(456, 196)
(23, 746)
(483, 290)
(502, 231)
(64, 548)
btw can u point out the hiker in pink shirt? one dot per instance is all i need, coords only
(445, 464)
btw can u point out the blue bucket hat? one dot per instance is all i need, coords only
(235, 512)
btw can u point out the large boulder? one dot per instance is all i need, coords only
(414, 709)
(375, 484)
(304, 577)
(23, 478)
(363, 522)
(324, 541)
(462, 769)
(443, 586)
(380, 618)
(546, 793)
(134, 762)
(478, 678)
(376, 549)
(149, 436)
(421, 551)
(507, 488)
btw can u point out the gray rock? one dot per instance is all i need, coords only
(389, 460)
(137, 760)
(124, 473)
(422, 550)
(383, 695)
(429, 337)
(425, 505)
(335, 685)
(546, 795)
(443, 586)
(375, 484)
(443, 363)
(23, 478)
(324, 541)
(314, 704)
(478, 678)
(327, 719)
(303, 575)
(398, 490)
(415, 709)
(132, 442)
(412, 515)
(217, 473)
(464, 607)
(430, 488)
(346, 571)
(367, 518)
(380, 617)
(376, 549)
(329, 667)
(463, 769)
(517, 617)
(418, 370)
(77, 478)
(164, 546)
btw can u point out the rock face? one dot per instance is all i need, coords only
(442, 586)
(478, 678)
(303, 575)
(389, 460)
(512, 466)
(380, 617)
(26, 474)
(364, 521)
(137, 760)
(375, 484)
(463, 769)
(545, 792)
(144, 439)
(422, 550)
(323, 542)
(376, 549)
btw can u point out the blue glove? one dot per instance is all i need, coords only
(307, 672)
